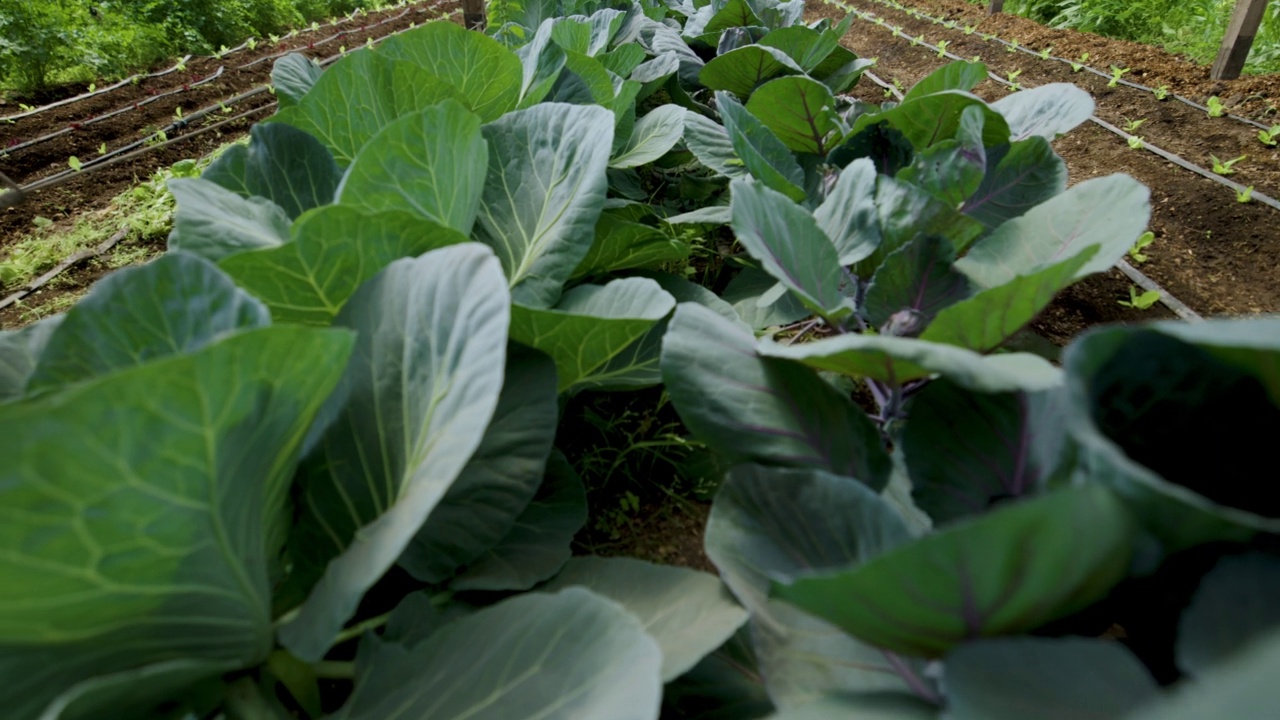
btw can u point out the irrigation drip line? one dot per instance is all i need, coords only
(329, 39)
(1165, 154)
(1179, 308)
(181, 64)
(912, 12)
(79, 257)
(72, 127)
(19, 193)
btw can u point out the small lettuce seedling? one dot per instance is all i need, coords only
(1161, 92)
(1270, 137)
(1224, 167)
(102, 149)
(1012, 77)
(1135, 142)
(1045, 53)
(969, 29)
(75, 163)
(1012, 46)
(1116, 73)
(1143, 301)
(1142, 242)
(93, 87)
(1132, 125)
(1245, 195)
(942, 48)
(1216, 107)
(25, 107)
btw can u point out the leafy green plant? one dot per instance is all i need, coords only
(102, 149)
(1141, 301)
(1225, 167)
(1161, 92)
(1131, 126)
(942, 48)
(75, 163)
(1116, 74)
(1143, 241)
(1135, 142)
(1216, 107)
(1245, 195)
(1269, 137)
(1012, 47)
(1046, 52)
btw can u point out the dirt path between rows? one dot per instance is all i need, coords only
(1215, 254)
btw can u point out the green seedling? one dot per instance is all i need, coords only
(1116, 74)
(25, 107)
(224, 108)
(1132, 125)
(177, 112)
(1143, 301)
(942, 48)
(1142, 242)
(102, 149)
(368, 42)
(1270, 137)
(342, 49)
(93, 87)
(223, 50)
(1012, 77)
(1078, 65)
(1216, 107)
(275, 39)
(41, 222)
(1225, 167)
(1012, 46)
(251, 43)
(315, 26)
(181, 66)
(1245, 195)
(1135, 142)
(75, 163)
(969, 29)
(1161, 92)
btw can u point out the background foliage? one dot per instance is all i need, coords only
(1193, 27)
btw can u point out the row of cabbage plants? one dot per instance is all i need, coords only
(304, 464)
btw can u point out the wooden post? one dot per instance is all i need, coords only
(1239, 39)
(995, 6)
(473, 14)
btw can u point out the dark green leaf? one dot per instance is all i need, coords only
(800, 111)
(1007, 572)
(763, 154)
(621, 245)
(654, 134)
(884, 145)
(214, 222)
(749, 407)
(282, 164)
(932, 118)
(953, 170)
(1018, 178)
(806, 46)
(485, 74)
(741, 71)
(1234, 605)
(917, 277)
(19, 352)
(293, 76)
(963, 76)
(709, 142)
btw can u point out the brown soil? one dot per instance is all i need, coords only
(92, 190)
(1211, 252)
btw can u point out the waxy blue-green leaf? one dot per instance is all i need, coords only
(775, 523)
(933, 118)
(1007, 572)
(961, 75)
(954, 170)
(19, 352)
(623, 60)
(1110, 212)
(543, 194)
(584, 81)
(965, 451)
(983, 322)
(499, 480)
(896, 360)
(214, 222)
(292, 77)
(903, 213)
(1234, 604)
(1240, 687)
(334, 250)
(689, 613)
(1046, 111)
(542, 61)
(848, 215)
(790, 246)
(725, 685)
(710, 144)
(841, 69)
(573, 654)
(654, 134)
(881, 143)
(430, 163)
(538, 544)
(282, 164)
(488, 76)
(174, 305)
(751, 294)
(808, 47)
(419, 392)
(724, 14)
(800, 111)
(918, 278)
(1018, 178)
(591, 324)
(381, 88)
(741, 71)
(1062, 678)
(763, 154)
(749, 407)
(151, 537)
(621, 244)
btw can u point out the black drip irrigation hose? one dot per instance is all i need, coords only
(1165, 154)
(71, 127)
(1176, 306)
(177, 67)
(912, 12)
(154, 142)
(329, 39)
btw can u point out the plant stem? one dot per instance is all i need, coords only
(914, 681)
(360, 628)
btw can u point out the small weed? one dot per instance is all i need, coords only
(251, 43)
(1143, 301)
(1225, 167)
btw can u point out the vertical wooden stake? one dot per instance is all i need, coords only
(473, 14)
(1239, 39)
(995, 6)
